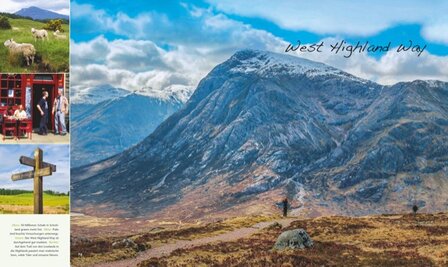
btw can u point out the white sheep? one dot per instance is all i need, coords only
(58, 35)
(39, 34)
(27, 50)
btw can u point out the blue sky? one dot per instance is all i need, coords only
(165, 44)
(55, 154)
(176, 12)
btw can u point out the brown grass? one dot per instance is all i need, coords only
(90, 250)
(399, 240)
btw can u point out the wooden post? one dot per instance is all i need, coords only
(38, 188)
(40, 169)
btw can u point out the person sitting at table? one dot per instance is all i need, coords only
(9, 112)
(20, 113)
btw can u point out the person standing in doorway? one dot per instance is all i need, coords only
(43, 109)
(60, 109)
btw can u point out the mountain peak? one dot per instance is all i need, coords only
(264, 55)
(31, 8)
(266, 63)
(39, 13)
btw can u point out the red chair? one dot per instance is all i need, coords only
(26, 126)
(9, 126)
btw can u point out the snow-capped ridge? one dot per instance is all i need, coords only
(176, 92)
(266, 63)
(97, 94)
(94, 95)
(431, 83)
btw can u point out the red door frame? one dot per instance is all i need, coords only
(30, 81)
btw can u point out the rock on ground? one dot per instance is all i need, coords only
(297, 238)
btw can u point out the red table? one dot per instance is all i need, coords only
(17, 127)
(9, 125)
(26, 126)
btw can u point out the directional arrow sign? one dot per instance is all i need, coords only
(30, 162)
(30, 175)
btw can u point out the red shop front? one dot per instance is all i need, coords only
(26, 90)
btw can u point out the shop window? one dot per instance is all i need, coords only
(10, 90)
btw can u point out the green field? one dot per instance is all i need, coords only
(52, 55)
(23, 203)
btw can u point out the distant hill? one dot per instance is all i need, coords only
(107, 128)
(40, 14)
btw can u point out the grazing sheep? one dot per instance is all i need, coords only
(39, 34)
(27, 50)
(58, 35)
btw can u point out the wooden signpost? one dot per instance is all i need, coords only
(41, 169)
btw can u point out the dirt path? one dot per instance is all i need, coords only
(168, 248)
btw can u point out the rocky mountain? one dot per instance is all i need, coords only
(39, 13)
(104, 129)
(263, 126)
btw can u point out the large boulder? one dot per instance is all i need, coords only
(297, 238)
(128, 243)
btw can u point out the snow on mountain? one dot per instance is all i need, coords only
(175, 92)
(261, 127)
(95, 95)
(267, 63)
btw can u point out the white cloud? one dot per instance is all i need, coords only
(132, 65)
(361, 18)
(63, 11)
(95, 19)
(59, 6)
(437, 32)
(85, 53)
(120, 23)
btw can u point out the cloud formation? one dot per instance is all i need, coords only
(135, 64)
(359, 18)
(388, 69)
(158, 54)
